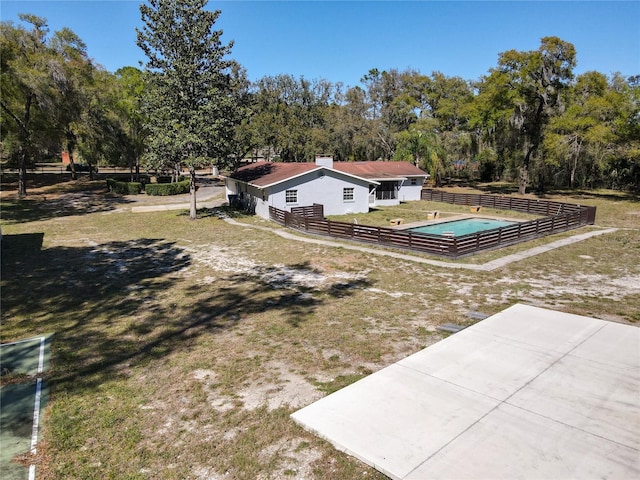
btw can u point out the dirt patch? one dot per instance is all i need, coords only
(232, 262)
(286, 389)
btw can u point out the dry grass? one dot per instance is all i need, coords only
(180, 348)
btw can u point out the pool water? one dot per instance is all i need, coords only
(462, 227)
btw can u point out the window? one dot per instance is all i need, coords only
(291, 196)
(414, 181)
(347, 194)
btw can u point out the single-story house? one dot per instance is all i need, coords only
(341, 187)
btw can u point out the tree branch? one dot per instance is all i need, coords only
(22, 126)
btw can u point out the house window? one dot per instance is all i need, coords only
(414, 181)
(291, 196)
(347, 194)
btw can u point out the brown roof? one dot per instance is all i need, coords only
(262, 174)
(379, 170)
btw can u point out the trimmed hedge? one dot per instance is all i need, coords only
(169, 178)
(164, 189)
(124, 188)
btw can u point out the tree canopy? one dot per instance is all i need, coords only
(529, 120)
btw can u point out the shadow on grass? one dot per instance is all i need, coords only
(119, 304)
(600, 195)
(22, 243)
(80, 197)
(512, 189)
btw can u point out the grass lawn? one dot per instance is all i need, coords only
(180, 348)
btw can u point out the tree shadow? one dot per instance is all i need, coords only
(120, 304)
(22, 242)
(599, 195)
(79, 198)
(496, 188)
(577, 193)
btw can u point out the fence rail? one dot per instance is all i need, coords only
(559, 217)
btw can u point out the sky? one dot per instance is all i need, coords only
(341, 41)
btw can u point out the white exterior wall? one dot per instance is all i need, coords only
(385, 203)
(324, 187)
(230, 187)
(408, 192)
(251, 195)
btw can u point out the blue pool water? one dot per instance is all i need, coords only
(462, 227)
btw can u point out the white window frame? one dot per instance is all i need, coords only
(291, 197)
(348, 194)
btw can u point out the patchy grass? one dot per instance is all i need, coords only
(180, 348)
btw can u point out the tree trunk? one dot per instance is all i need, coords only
(22, 174)
(524, 171)
(74, 175)
(71, 146)
(524, 179)
(192, 191)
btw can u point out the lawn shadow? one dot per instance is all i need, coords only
(596, 195)
(60, 200)
(23, 243)
(126, 303)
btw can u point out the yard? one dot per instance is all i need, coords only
(180, 348)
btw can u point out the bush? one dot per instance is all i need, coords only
(124, 188)
(169, 178)
(164, 189)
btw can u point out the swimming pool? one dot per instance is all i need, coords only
(462, 227)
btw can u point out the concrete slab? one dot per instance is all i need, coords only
(527, 393)
(489, 365)
(406, 423)
(513, 443)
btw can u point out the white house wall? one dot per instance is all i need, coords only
(410, 193)
(324, 187)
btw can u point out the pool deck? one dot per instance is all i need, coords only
(454, 218)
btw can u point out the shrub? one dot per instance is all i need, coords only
(169, 178)
(124, 188)
(164, 189)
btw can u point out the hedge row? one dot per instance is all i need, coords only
(124, 188)
(169, 178)
(176, 188)
(159, 189)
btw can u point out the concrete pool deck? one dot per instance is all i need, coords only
(527, 393)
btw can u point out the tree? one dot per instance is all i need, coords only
(28, 92)
(188, 98)
(419, 145)
(131, 83)
(45, 85)
(75, 78)
(532, 88)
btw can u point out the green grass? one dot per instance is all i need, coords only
(180, 348)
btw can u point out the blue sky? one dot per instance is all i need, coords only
(342, 40)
